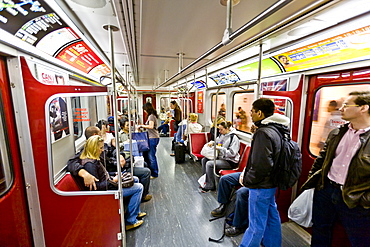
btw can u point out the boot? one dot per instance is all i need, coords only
(220, 211)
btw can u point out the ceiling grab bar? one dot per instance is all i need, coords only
(269, 11)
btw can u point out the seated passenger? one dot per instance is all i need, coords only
(90, 159)
(107, 136)
(228, 145)
(162, 115)
(192, 127)
(164, 128)
(219, 119)
(225, 188)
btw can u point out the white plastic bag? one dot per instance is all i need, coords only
(301, 209)
(208, 152)
(138, 161)
(202, 180)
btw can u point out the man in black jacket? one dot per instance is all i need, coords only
(343, 172)
(264, 220)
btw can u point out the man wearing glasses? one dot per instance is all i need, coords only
(343, 187)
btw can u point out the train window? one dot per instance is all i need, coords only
(242, 105)
(326, 115)
(165, 103)
(220, 109)
(6, 174)
(77, 125)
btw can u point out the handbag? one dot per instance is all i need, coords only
(208, 152)
(301, 209)
(142, 140)
(135, 148)
(127, 180)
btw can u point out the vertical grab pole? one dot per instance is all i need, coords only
(112, 29)
(215, 136)
(258, 93)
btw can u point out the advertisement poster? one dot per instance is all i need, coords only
(227, 77)
(345, 47)
(49, 77)
(280, 106)
(274, 85)
(200, 101)
(58, 119)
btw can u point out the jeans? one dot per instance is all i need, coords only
(328, 205)
(163, 128)
(225, 188)
(134, 194)
(207, 168)
(264, 220)
(153, 165)
(143, 173)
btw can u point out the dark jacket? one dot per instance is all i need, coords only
(95, 168)
(356, 189)
(265, 147)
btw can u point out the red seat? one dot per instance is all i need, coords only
(67, 183)
(196, 142)
(172, 128)
(242, 163)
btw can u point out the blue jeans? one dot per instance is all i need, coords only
(328, 205)
(163, 128)
(225, 188)
(143, 173)
(264, 220)
(153, 165)
(134, 194)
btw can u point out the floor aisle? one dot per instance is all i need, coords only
(178, 214)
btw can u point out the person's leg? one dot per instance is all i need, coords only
(241, 208)
(258, 206)
(210, 176)
(226, 185)
(356, 221)
(153, 165)
(272, 236)
(323, 216)
(143, 174)
(134, 195)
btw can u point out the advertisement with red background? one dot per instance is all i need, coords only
(200, 95)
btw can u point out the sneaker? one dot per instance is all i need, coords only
(172, 154)
(136, 225)
(147, 198)
(151, 177)
(141, 215)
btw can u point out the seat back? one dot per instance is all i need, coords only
(196, 142)
(242, 162)
(171, 124)
(67, 183)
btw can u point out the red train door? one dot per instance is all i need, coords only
(289, 104)
(74, 218)
(15, 227)
(325, 95)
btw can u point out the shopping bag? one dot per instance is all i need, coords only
(202, 180)
(208, 152)
(142, 140)
(301, 209)
(139, 161)
(135, 149)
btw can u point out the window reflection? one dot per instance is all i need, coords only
(242, 105)
(326, 115)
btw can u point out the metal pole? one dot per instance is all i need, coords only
(112, 29)
(259, 72)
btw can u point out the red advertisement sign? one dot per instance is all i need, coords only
(80, 56)
(200, 101)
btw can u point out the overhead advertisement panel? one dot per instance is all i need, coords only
(37, 24)
(346, 47)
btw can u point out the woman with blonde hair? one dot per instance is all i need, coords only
(90, 159)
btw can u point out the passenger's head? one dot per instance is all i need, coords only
(193, 117)
(356, 106)
(224, 127)
(92, 130)
(148, 107)
(93, 147)
(333, 105)
(103, 125)
(124, 124)
(261, 109)
(173, 104)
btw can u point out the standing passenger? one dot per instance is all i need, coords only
(264, 220)
(343, 189)
(151, 126)
(177, 113)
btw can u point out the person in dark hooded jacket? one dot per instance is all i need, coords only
(264, 220)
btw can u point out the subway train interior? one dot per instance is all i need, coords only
(66, 64)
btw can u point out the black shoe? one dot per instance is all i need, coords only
(220, 211)
(233, 231)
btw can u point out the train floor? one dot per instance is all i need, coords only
(178, 214)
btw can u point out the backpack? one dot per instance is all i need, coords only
(288, 167)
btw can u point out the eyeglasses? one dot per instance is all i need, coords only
(346, 106)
